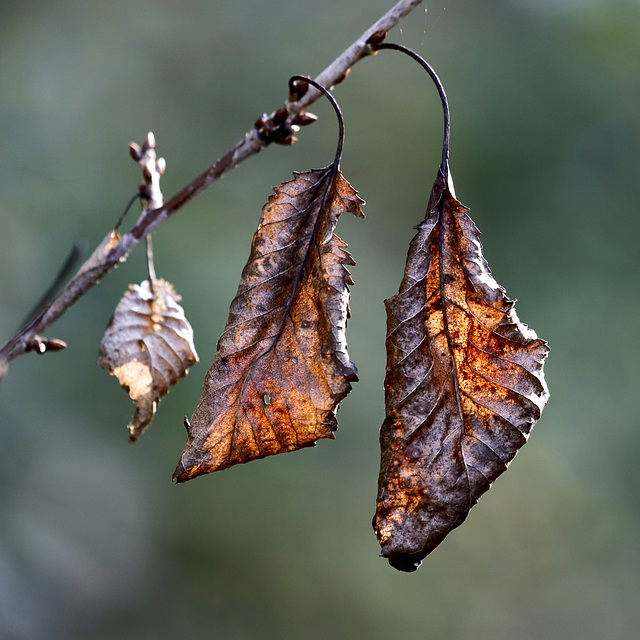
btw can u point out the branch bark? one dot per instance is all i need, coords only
(114, 249)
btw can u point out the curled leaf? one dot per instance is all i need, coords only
(281, 367)
(148, 346)
(464, 384)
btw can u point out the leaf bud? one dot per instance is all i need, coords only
(341, 78)
(54, 344)
(375, 39)
(280, 115)
(298, 88)
(135, 151)
(286, 141)
(41, 345)
(150, 141)
(303, 119)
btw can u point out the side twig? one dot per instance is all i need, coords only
(277, 127)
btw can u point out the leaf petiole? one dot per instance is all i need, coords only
(443, 96)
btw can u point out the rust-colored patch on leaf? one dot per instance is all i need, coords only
(148, 346)
(281, 367)
(464, 385)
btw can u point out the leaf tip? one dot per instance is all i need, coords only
(403, 562)
(180, 474)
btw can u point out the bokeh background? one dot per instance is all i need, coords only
(95, 540)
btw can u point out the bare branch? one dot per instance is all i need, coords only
(278, 127)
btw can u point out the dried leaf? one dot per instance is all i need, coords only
(148, 346)
(281, 368)
(464, 385)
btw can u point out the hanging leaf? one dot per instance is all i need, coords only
(148, 346)
(464, 385)
(281, 367)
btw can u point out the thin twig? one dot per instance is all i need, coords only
(150, 194)
(277, 127)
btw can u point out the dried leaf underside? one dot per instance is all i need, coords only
(281, 367)
(464, 385)
(148, 346)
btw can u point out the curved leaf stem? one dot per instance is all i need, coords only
(137, 196)
(443, 96)
(335, 106)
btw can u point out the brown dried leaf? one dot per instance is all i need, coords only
(281, 368)
(464, 385)
(148, 346)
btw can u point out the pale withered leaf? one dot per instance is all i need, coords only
(148, 346)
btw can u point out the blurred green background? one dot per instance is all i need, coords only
(95, 540)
